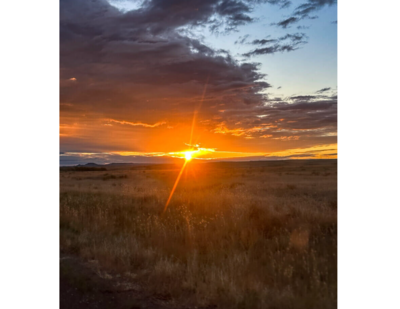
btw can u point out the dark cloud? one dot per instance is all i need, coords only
(303, 97)
(311, 6)
(270, 50)
(235, 13)
(116, 58)
(285, 4)
(293, 38)
(231, 13)
(297, 37)
(323, 90)
(304, 10)
(302, 27)
(288, 42)
(307, 119)
(287, 22)
(242, 39)
(263, 41)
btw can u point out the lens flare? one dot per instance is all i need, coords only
(188, 156)
(176, 183)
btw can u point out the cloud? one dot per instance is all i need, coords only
(242, 39)
(235, 13)
(286, 22)
(296, 37)
(293, 39)
(144, 64)
(311, 6)
(300, 118)
(303, 97)
(304, 10)
(319, 151)
(288, 138)
(263, 41)
(323, 90)
(302, 27)
(288, 42)
(114, 54)
(140, 63)
(222, 129)
(160, 123)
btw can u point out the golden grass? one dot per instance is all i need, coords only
(249, 235)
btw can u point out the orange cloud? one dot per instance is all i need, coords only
(222, 129)
(328, 151)
(288, 138)
(146, 125)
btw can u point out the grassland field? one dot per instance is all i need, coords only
(235, 235)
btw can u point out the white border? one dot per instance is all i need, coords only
(29, 224)
(369, 214)
(368, 147)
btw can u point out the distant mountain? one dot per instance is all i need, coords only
(124, 164)
(90, 165)
(115, 161)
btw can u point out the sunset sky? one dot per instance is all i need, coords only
(257, 79)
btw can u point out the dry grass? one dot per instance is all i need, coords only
(248, 235)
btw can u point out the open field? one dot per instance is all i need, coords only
(235, 235)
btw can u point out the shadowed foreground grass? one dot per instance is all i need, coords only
(254, 235)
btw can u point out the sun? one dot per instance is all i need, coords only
(188, 156)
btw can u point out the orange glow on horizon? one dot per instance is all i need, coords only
(326, 151)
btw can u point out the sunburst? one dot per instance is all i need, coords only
(188, 154)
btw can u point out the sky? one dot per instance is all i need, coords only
(143, 81)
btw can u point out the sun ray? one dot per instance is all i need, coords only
(188, 154)
(176, 183)
(196, 110)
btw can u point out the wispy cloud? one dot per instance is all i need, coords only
(288, 42)
(320, 152)
(146, 125)
(303, 11)
(323, 90)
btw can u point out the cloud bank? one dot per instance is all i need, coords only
(130, 80)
